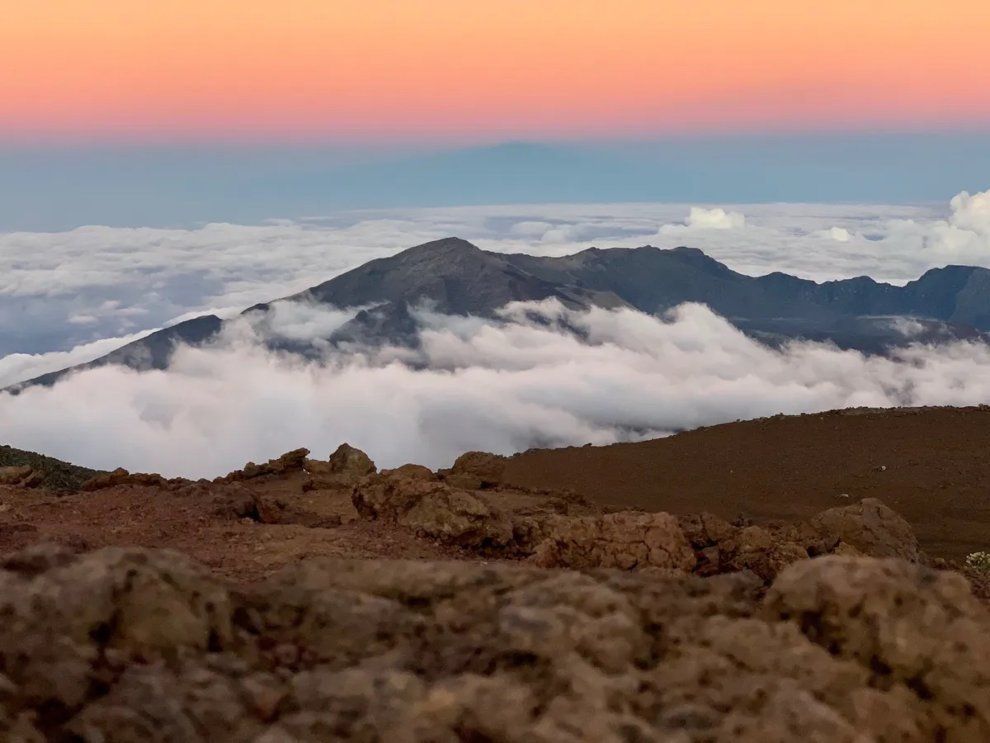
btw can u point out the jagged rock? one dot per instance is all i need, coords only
(705, 529)
(21, 477)
(288, 462)
(387, 496)
(413, 472)
(759, 550)
(872, 528)
(344, 468)
(347, 460)
(239, 502)
(554, 536)
(293, 461)
(866, 528)
(459, 517)
(475, 470)
(624, 540)
(120, 476)
(434, 509)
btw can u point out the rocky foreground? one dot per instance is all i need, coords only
(268, 606)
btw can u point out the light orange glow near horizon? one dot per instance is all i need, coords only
(440, 69)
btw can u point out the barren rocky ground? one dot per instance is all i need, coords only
(928, 464)
(317, 598)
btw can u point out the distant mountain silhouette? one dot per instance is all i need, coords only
(458, 278)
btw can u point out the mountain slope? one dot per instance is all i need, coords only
(792, 467)
(455, 277)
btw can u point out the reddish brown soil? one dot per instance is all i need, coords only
(932, 465)
(240, 549)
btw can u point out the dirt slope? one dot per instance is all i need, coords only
(932, 465)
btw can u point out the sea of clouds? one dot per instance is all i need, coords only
(526, 380)
(500, 386)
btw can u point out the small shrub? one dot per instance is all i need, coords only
(979, 561)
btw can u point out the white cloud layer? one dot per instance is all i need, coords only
(17, 367)
(59, 290)
(498, 386)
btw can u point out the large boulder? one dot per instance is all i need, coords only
(345, 467)
(721, 547)
(476, 470)
(870, 527)
(865, 528)
(351, 462)
(21, 477)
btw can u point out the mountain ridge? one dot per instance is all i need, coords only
(457, 277)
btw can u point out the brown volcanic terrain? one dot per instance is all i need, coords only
(931, 465)
(516, 611)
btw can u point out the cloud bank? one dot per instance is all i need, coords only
(525, 380)
(17, 367)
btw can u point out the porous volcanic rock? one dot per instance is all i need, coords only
(476, 470)
(23, 476)
(237, 501)
(67, 618)
(872, 528)
(414, 497)
(120, 476)
(911, 627)
(350, 461)
(293, 461)
(763, 551)
(866, 528)
(554, 535)
(623, 540)
(413, 472)
(344, 468)
(135, 645)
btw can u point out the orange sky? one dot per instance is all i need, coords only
(478, 69)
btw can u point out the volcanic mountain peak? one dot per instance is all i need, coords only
(445, 246)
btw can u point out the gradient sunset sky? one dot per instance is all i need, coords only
(178, 112)
(457, 71)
